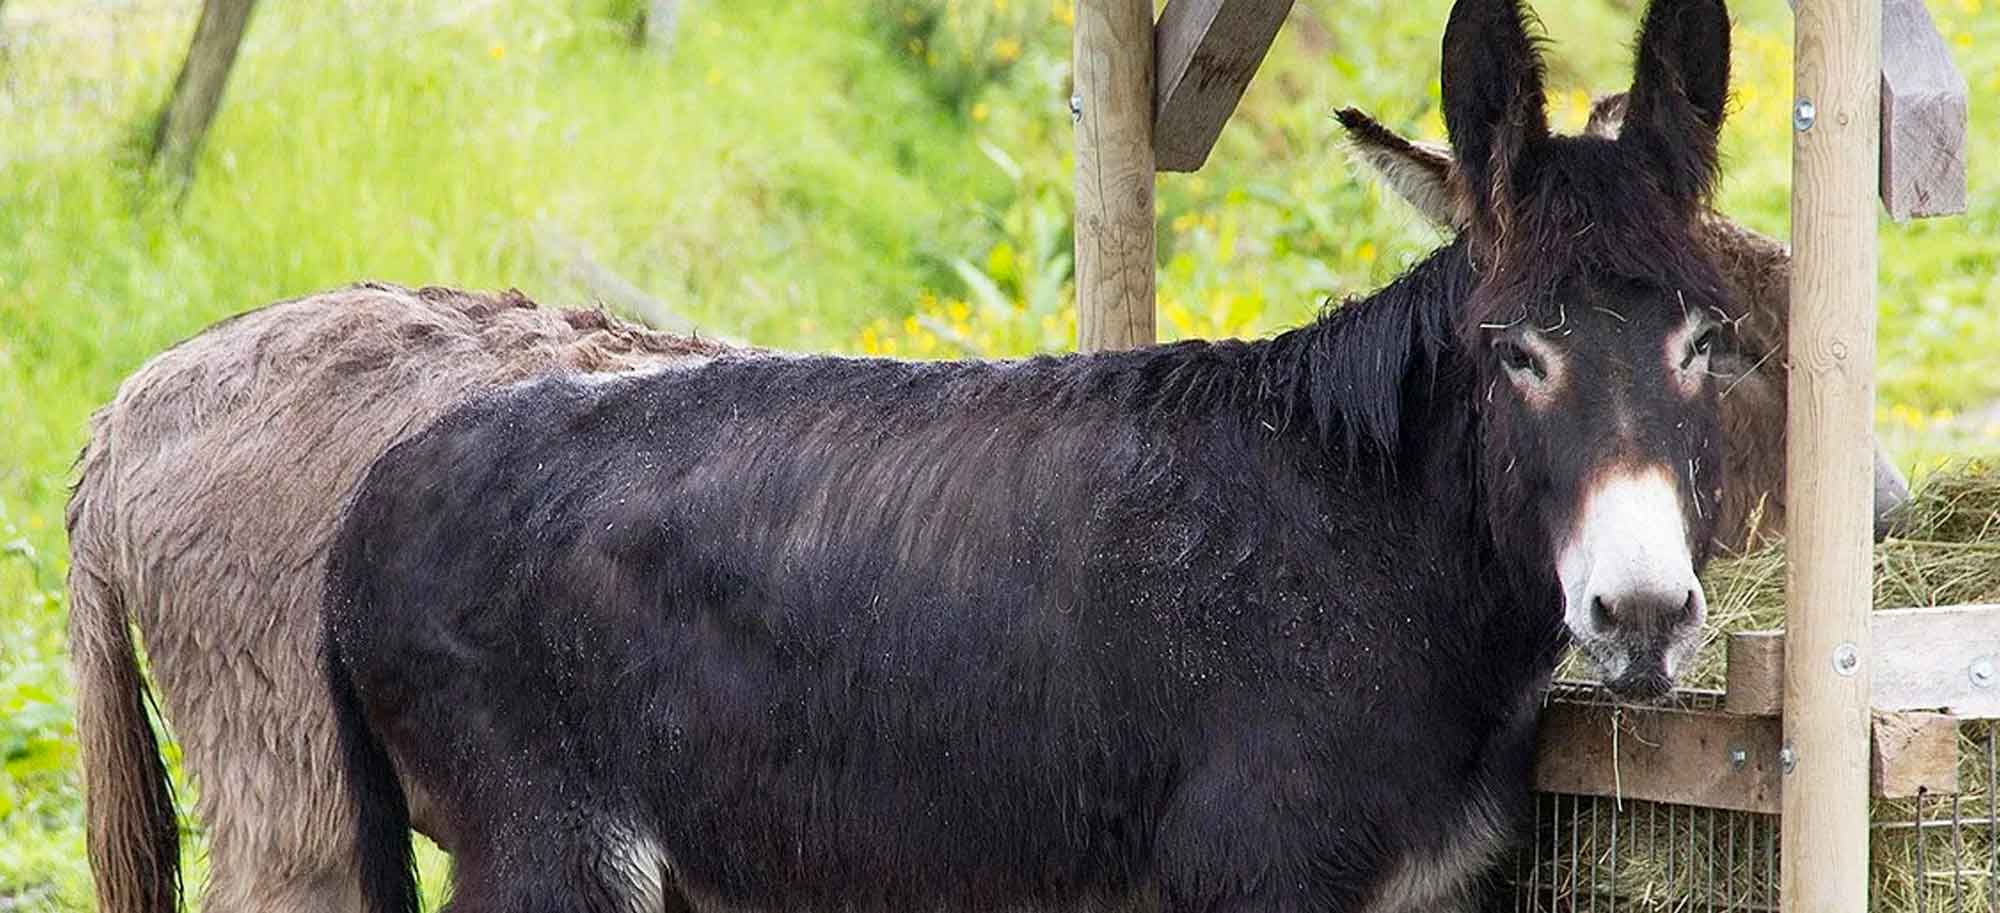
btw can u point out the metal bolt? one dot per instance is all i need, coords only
(1786, 759)
(1983, 673)
(1803, 114)
(1738, 757)
(1846, 659)
(1076, 108)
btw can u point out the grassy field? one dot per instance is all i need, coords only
(883, 176)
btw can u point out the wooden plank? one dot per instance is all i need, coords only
(1207, 52)
(1924, 113)
(1914, 754)
(1712, 759)
(1944, 659)
(1829, 663)
(1113, 73)
(1658, 755)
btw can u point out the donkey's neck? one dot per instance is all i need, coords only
(1381, 383)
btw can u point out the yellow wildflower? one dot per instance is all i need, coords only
(980, 111)
(1007, 49)
(498, 51)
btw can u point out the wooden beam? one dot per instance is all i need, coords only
(1113, 73)
(1913, 754)
(1829, 662)
(1944, 659)
(1207, 51)
(1923, 116)
(1711, 759)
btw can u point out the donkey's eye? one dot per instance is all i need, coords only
(1701, 347)
(1516, 358)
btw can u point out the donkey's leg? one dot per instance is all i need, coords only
(268, 793)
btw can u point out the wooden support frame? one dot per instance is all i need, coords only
(1206, 51)
(1944, 659)
(1713, 759)
(1829, 662)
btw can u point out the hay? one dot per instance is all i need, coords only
(1949, 554)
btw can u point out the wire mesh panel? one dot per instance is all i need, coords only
(1933, 854)
(1595, 854)
(1941, 854)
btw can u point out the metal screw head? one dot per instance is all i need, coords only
(1846, 659)
(1786, 759)
(1984, 675)
(1803, 115)
(1075, 108)
(1738, 757)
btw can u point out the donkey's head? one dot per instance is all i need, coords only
(1592, 326)
(1752, 370)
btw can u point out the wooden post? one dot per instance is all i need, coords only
(1113, 73)
(1828, 661)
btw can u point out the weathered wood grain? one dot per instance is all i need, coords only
(1944, 659)
(1713, 759)
(1924, 111)
(1206, 53)
(1113, 67)
(1823, 832)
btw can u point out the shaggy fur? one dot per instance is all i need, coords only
(1213, 626)
(1754, 377)
(206, 499)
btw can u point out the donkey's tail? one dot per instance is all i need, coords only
(381, 811)
(134, 838)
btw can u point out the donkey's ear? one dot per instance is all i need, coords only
(1493, 106)
(1679, 92)
(1420, 173)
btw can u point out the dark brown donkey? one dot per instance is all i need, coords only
(1214, 626)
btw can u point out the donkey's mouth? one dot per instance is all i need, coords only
(1642, 685)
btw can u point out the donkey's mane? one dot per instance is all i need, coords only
(1586, 207)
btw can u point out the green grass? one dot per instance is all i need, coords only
(858, 175)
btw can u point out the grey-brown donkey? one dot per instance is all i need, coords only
(207, 494)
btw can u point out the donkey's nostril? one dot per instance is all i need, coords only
(1689, 605)
(1600, 612)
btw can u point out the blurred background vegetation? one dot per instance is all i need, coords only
(867, 176)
